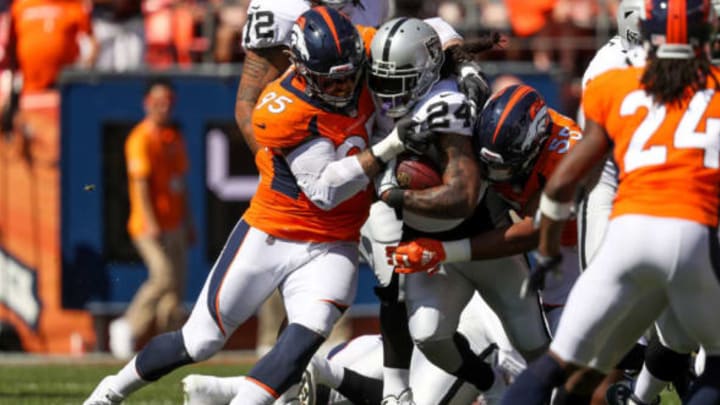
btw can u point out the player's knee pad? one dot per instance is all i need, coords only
(319, 316)
(664, 363)
(284, 364)
(203, 343)
(163, 354)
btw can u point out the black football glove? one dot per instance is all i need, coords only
(536, 279)
(473, 84)
(414, 138)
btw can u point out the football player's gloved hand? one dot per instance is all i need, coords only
(473, 84)
(426, 255)
(544, 265)
(420, 255)
(413, 137)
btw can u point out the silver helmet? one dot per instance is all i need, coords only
(628, 22)
(405, 61)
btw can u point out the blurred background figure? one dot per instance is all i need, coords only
(44, 37)
(120, 33)
(47, 36)
(160, 224)
(228, 34)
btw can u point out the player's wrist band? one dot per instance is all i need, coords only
(555, 210)
(546, 261)
(395, 197)
(457, 250)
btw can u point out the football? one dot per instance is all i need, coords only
(415, 172)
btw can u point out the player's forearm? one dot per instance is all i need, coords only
(259, 69)
(517, 238)
(458, 196)
(453, 200)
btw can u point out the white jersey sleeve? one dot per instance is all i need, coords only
(445, 31)
(370, 13)
(612, 56)
(269, 22)
(444, 109)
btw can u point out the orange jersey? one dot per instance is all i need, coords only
(564, 134)
(46, 32)
(667, 155)
(284, 118)
(158, 155)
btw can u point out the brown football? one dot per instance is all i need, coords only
(415, 172)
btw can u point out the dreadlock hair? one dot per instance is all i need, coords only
(468, 51)
(670, 81)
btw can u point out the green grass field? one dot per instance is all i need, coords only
(69, 382)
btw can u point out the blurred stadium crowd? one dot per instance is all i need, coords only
(159, 34)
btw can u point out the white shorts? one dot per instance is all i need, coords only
(645, 265)
(316, 280)
(435, 302)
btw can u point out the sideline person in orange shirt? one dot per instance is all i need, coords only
(159, 225)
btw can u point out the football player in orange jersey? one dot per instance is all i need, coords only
(519, 142)
(301, 231)
(662, 125)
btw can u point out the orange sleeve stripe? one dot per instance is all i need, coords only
(517, 96)
(263, 386)
(323, 12)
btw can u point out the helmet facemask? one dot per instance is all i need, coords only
(326, 86)
(339, 85)
(398, 84)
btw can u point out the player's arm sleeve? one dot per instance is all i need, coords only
(445, 31)
(594, 103)
(269, 23)
(324, 179)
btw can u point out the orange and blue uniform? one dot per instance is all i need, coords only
(284, 118)
(652, 161)
(564, 134)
